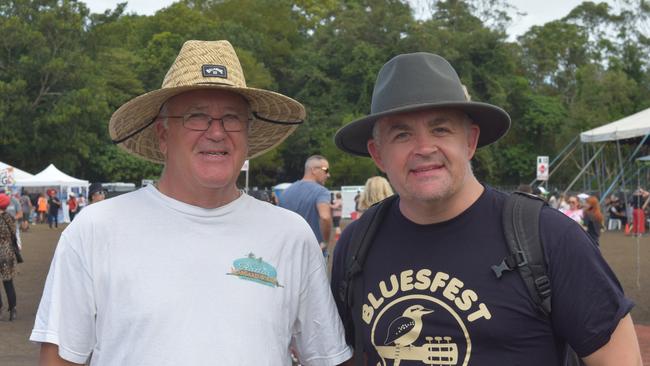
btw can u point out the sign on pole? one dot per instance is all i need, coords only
(542, 168)
(244, 168)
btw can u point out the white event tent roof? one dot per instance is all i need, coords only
(17, 173)
(636, 125)
(49, 177)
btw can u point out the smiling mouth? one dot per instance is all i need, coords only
(427, 169)
(214, 153)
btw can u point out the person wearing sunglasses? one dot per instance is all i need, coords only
(310, 199)
(574, 211)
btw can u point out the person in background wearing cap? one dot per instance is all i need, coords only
(428, 291)
(96, 193)
(8, 263)
(192, 271)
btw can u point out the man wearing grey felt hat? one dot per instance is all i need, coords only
(416, 280)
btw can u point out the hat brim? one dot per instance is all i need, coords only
(493, 122)
(263, 136)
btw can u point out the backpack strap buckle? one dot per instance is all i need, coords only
(510, 263)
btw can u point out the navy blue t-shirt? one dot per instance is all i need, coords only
(430, 296)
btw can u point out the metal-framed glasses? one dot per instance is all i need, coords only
(202, 122)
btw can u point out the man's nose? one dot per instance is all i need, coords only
(425, 144)
(215, 130)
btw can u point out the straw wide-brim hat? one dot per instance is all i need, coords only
(205, 65)
(414, 82)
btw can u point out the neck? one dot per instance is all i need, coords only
(309, 178)
(200, 197)
(426, 212)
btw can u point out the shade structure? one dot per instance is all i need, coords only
(635, 125)
(49, 177)
(53, 177)
(16, 173)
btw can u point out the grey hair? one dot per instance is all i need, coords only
(311, 161)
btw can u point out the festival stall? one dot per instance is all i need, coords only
(9, 175)
(52, 177)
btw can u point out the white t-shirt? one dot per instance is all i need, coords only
(143, 279)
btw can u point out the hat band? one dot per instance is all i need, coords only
(121, 140)
(298, 122)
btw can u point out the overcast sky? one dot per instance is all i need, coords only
(538, 12)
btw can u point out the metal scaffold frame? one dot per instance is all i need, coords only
(608, 156)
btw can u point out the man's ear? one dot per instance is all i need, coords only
(161, 132)
(473, 133)
(373, 149)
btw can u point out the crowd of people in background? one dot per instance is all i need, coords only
(45, 207)
(618, 211)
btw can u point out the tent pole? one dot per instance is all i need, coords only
(584, 168)
(620, 174)
(599, 167)
(584, 178)
(621, 169)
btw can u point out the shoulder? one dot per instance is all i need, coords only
(273, 215)
(115, 208)
(7, 216)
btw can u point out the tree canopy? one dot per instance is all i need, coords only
(64, 71)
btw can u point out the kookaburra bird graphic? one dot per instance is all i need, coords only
(404, 330)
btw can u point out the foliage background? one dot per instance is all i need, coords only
(63, 71)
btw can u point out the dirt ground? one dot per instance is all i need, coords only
(629, 258)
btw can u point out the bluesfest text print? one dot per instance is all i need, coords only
(421, 317)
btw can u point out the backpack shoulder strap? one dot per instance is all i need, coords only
(351, 289)
(362, 236)
(521, 229)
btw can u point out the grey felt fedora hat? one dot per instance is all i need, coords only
(417, 81)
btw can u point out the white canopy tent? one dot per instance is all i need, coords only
(53, 177)
(14, 173)
(636, 125)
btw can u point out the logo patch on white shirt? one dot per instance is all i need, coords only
(254, 269)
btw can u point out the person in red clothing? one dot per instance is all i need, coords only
(73, 207)
(639, 202)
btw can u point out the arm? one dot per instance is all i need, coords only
(325, 220)
(50, 356)
(621, 350)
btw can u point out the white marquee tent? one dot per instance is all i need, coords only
(636, 125)
(595, 166)
(16, 173)
(53, 177)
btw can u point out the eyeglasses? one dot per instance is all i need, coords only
(202, 122)
(326, 170)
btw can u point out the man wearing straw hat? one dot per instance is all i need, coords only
(193, 271)
(426, 292)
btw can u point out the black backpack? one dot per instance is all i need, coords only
(521, 229)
